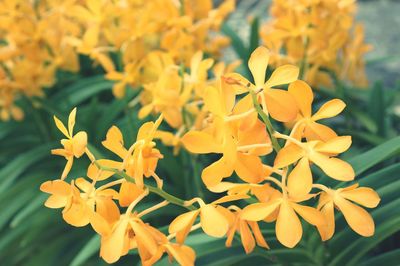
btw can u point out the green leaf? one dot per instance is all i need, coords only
(390, 258)
(20, 164)
(237, 44)
(254, 35)
(87, 251)
(363, 162)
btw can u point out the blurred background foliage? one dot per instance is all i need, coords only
(34, 235)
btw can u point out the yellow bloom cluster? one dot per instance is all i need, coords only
(40, 37)
(226, 122)
(319, 36)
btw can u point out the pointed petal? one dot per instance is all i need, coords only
(258, 211)
(283, 75)
(329, 109)
(333, 167)
(317, 131)
(364, 196)
(71, 121)
(93, 171)
(181, 225)
(258, 235)
(358, 219)
(300, 179)
(288, 155)
(303, 95)
(311, 215)
(247, 238)
(288, 226)
(327, 229)
(61, 127)
(335, 146)
(258, 64)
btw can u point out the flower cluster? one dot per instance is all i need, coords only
(226, 122)
(131, 40)
(319, 36)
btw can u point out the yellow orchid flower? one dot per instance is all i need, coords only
(249, 230)
(140, 160)
(74, 145)
(288, 226)
(212, 220)
(343, 199)
(320, 153)
(306, 124)
(276, 102)
(94, 206)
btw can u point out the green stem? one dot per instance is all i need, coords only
(170, 198)
(266, 121)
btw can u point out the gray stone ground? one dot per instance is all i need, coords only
(382, 26)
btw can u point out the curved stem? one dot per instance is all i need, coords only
(266, 121)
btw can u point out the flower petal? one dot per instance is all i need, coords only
(213, 222)
(181, 225)
(71, 121)
(61, 127)
(247, 238)
(115, 142)
(300, 179)
(94, 172)
(333, 167)
(358, 219)
(317, 131)
(288, 155)
(258, 211)
(112, 245)
(281, 105)
(249, 168)
(283, 75)
(303, 95)
(335, 146)
(329, 109)
(327, 230)
(288, 226)
(214, 173)
(258, 64)
(200, 142)
(364, 196)
(311, 215)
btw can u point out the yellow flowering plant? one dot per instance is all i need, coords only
(321, 37)
(172, 151)
(233, 118)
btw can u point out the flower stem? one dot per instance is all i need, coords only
(266, 121)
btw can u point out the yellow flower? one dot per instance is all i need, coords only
(91, 206)
(140, 160)
(343, 199)
(244, 228)
(288, 226)
(306, 124)
(320, 153)
(74, 145)
(212, 219)
(277, 102)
